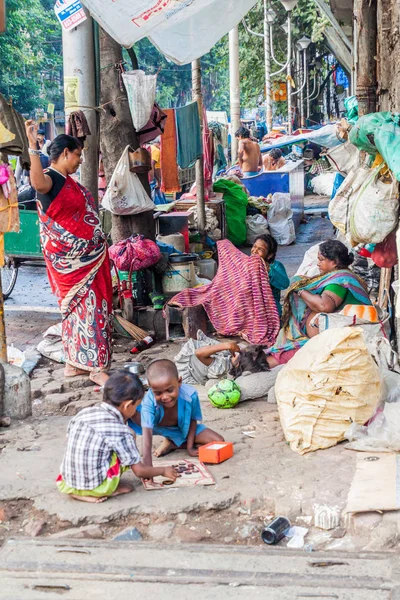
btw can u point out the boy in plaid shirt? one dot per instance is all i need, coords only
(101, 447)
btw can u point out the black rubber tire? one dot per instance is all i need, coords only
(9, 274)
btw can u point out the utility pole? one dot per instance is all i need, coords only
(267, 60)
(80, 93)
(197, 95)
(234, 89)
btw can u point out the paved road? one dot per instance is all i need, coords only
(77, 570)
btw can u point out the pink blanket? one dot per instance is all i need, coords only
(239, 300)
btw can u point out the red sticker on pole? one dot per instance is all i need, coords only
(70, 13)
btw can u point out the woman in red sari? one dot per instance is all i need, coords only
(76, 255)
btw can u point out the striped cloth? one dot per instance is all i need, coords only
(239, 300)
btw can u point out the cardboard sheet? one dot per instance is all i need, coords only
(192, 473)
(376, 483)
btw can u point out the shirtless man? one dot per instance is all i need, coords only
(249, 154)
(273, 160)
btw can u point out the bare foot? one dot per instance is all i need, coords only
(165, 448)
(123, 488)
(91, 499)
(99, 378)
(71, 371)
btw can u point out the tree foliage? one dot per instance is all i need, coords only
(31, 55)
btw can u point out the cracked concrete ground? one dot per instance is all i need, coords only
(263, 478)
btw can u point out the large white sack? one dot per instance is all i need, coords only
(323, 184)
(280, 219)
(183, 30)
(256, 225)
(330, 383)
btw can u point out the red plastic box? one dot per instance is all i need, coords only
(215, 452)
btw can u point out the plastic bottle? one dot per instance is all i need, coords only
(142, 345)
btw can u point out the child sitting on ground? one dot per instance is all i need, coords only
(100, 446)
(203, 359)
(171, 409)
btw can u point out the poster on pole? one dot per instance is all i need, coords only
(70, 13)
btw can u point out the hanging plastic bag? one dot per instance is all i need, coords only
(344, 158)
(280, 219)
(125, 194)
(135, 253)
(256, 225)
(339, 206)
(385, 253)
(374, 209)
(331, 382)
(141, 91)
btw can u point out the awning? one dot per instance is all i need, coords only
(183, 30)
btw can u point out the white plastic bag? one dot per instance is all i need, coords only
(374, 209)
(381, 435)
(309, 266)
(141, 90)
(51, 346)
(344, 158)
(256, 225)
(280, 219)
(125, 194)
(323, 184)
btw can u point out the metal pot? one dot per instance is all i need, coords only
(139, 160)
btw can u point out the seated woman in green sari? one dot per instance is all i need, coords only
(329, 292)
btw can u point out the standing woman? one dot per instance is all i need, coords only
(76, 255)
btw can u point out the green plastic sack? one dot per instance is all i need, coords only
(379, 132)
(351, 106)
(236, 201)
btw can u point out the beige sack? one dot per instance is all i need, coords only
(330, 383)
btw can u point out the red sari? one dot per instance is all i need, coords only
(76, 254)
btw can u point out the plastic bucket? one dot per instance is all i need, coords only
(179, 276)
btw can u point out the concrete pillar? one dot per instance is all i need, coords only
(234, 88)
(80, 93)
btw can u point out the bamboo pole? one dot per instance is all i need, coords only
(197, 95)
(3, 338)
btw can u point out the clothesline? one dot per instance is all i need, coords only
(100, 107)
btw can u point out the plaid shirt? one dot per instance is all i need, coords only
(93, 435)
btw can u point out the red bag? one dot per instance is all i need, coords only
(135, 253)
(154, 127)
(385, 253)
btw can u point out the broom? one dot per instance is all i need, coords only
(134, 331)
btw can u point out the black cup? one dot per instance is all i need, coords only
(275, 531)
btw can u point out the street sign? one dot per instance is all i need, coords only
(70, 13)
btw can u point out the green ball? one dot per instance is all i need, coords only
(224, 394)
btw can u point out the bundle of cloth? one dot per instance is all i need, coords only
(239, 300)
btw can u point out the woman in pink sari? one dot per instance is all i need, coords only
(76, 254)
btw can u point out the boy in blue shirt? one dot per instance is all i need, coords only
(171, 409)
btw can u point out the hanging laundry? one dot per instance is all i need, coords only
(77, 125)
(154, 127)
(208, 154)
(188, 135)
(141, 91)
(13, 125)
(169, 166)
